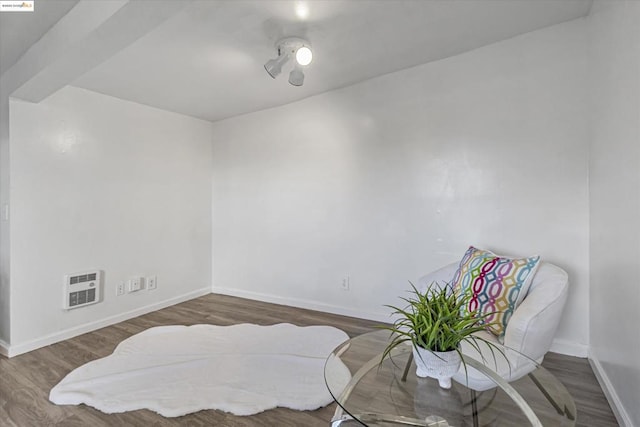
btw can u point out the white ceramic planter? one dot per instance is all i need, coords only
(439, 365)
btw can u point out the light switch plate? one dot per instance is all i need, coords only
(135, 284)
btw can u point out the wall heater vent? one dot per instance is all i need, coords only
(82, 289)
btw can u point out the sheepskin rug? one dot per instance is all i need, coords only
(176, 370)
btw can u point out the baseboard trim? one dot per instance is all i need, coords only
(4, 348)
(302, 303)
(620, 413)
(569, 348)
(15, 350)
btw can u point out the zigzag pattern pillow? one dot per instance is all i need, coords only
(496, 284)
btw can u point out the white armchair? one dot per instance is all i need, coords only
(530, 330)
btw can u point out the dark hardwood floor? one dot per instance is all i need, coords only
(25, 380)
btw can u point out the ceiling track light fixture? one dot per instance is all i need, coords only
(288, 48)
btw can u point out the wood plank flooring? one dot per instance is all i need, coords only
(25, 380)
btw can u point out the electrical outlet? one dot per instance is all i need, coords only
(152, 282)
(135, 284)
(120, 289)
(346, 283)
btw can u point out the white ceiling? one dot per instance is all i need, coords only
(207, 60)
(19, 30)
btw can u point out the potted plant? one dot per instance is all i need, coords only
(435, 324)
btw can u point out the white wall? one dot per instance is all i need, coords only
(393, 177)
(101, 183)
(615, 203)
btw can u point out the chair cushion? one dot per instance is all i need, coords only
(496, 284)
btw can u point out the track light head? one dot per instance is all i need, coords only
(291, 47)
(274, 66)
(296, 77)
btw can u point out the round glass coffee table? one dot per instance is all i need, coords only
(390, 394)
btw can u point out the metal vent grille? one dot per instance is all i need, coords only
(83, 278)
(81, 289)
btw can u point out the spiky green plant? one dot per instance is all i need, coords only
(435, 320)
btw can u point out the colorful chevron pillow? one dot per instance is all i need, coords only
(495, 284)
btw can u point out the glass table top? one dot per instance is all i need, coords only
(371, 393)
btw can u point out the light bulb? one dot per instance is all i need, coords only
(304, 56)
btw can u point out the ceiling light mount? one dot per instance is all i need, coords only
(289, 48)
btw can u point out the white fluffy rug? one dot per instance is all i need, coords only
(175, 370)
